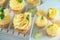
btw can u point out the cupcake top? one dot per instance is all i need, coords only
(52, 30)
(52, 13)
(34, 2)
(22, 21)
(41, 21)
(4, 16)
(17, 4)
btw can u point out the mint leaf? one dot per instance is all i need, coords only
(42, 17)
(48, 14)
(2, 9)
(2, 16)
(27, 17)
(20, 1)
(2, 13)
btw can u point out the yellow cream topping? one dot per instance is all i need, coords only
(16, 5)
(53, 12)
(41, 22)
(52, 30)
(20, 21)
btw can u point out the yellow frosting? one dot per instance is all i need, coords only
(34, 2)
(20, 21)
(16, 5)
(52, 30)
(6, 19)
(53, 13)
(41, 22)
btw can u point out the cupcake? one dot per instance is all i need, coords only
(52, 13)
(52, 30)
(4, 17)
(41, 12)
(3, 3)
(41, 21)
(17, 5)
(22, 22)
(33, 11)
(34, 2)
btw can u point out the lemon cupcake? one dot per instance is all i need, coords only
(4, 17)
(22, 22)
(52, 13)
(52, 30)
(17, 5)
(41, 12)
(34, 2)
(41, 21)
(3, 3)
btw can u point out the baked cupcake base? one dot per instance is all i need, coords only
(50, 35)
(41, 27)
(50, 18)
(4, 4)
(4, 26)
(23, 31)
(18, 11)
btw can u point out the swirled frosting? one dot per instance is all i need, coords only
(16, 5)
(22, 21)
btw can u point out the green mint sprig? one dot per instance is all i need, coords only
(2, 13)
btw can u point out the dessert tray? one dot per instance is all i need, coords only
(11, 34)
